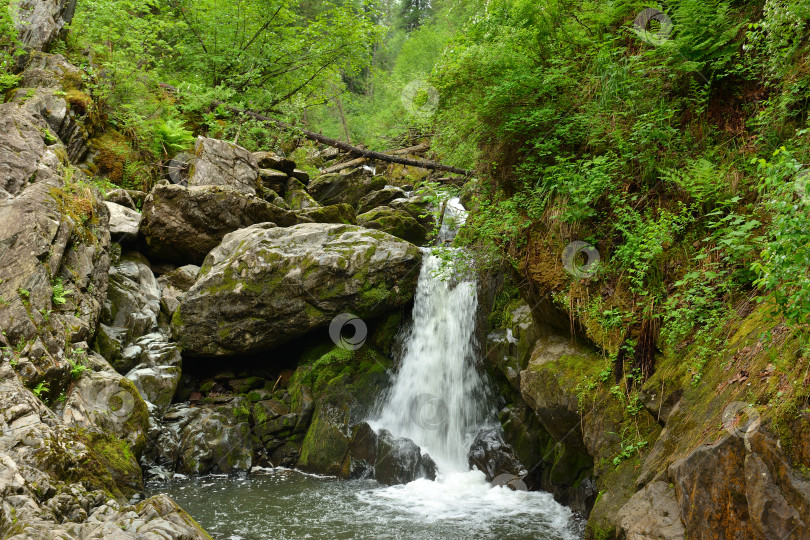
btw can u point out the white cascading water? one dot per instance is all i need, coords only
(437, 398)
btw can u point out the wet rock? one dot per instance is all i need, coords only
(198, 440)
(326, 446)
(380, 197)
(400, 461)
(124, 223)
(174, 285)
(336, 213)
(362, 451)
(395, 222)
(220, 163)
(184, 224)
(490, 454)
(264, 285)
(344, 187)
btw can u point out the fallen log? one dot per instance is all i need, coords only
(359, 161)
(317, 137)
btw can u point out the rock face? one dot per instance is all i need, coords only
(219, 163)
(59, 482)
(54, 245)
(336, 213)
(651, 513)
(184, 224)
(396, 222)
(739, 488)
(344, 187)
(266, 285)
(494, 457)
(40, 22)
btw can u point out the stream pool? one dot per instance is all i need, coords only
(287, 504)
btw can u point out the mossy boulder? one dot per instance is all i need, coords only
(395, 222)
(381, 197)
(335, 213)
(183, 225)
(344, 187)
(264, 286)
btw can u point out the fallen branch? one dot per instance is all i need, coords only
(359, 161)
(317, 137)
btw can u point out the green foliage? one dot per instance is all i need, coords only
(629, 448)
(8, 46)
(784, 269)
(171, 137)
(59, 296)
(41, 390)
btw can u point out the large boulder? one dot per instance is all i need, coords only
(102, 398)
(380, 197)
(494, 457)
(183, 224)
(124, 223)
(336, 213)
(266, 285)
(344, 187)
(40, 22)
(220, 163)
(396, 222)
(400, 461)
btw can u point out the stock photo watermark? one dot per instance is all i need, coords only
(420, 98)
(653, 26)
(581, 259)
(740, 419)
(429, 412)
(337, 331)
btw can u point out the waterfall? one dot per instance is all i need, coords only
(437, 398)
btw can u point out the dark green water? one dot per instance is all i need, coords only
(285, 504)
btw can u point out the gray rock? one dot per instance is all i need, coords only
(102, 398)
(651, 513)
(269, 160)
(381, 197)
(122, 197)
(301, 176)
(25, 157)
(40, 22)
(220, 163)
(50, 474)
(344, 187)
(52, 107)
(204, 439)
(174, 285)
(133, 297)
(264, 285)
(124, 223)
(336, 213)
(184, 224)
